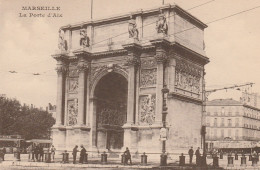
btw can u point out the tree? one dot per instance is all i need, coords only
(24, 120)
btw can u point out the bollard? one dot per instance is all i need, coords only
(215, 161)
(123, 159)
(85, 159)
(236, 156)
(254, 161)
(221, 155)
(104, 158)
(230, 161)
(182, 160)
(65, 157)
(48, 157)
(250, 158)
(243, 161)
(144, 159)
(163, 161)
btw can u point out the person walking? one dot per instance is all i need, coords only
(197, 153)
(4, 152)
(29, 151)
(74, 154)
(82, 154)
(191, 152)
(127, 156)
(52, 152)
(41, 153)
(36, 152)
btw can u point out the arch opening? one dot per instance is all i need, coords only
(111, 111)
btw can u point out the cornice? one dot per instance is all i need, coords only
(126, 16)
(192, 55)
(185, 98)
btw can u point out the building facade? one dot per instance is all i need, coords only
(232, 124)
(111, 73)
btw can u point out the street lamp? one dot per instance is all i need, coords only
(165, 91)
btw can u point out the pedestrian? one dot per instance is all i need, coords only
(41, 153)
(29, 151)
(191, 152)
(36, 152)
(197, 153)
(33, 151)
(4, 152)
(52, 152)
(74, 153)
(82, 154)
(127, 156)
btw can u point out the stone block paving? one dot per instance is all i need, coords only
(115, 163)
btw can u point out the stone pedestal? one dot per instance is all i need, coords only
(59, 138)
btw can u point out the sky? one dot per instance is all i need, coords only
(27, 43)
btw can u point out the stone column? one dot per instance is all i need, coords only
(82, 69)
(161, 57)
(61, 70)
(133, 62)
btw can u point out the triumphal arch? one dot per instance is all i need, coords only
(111, 73)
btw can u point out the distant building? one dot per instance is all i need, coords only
(232, 124)
(51, 109)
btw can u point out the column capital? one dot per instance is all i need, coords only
(161, 58)
(82, 66)
(61, 69)
(133, 61)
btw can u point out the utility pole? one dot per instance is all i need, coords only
(91, 16)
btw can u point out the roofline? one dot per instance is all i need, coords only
(126, 16)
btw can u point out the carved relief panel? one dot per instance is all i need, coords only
(148, 72)
(72, 112)
(188, 76)
(73, 85)
(147, 109)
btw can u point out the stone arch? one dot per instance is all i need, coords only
(104, 73)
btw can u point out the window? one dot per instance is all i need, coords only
(229, 133)
(229, 122)
(237, 122)
(222, 122)
(236, 133)
(215, 133)
(222, 133)
(215, 113)
(222, 111)
(215, 122)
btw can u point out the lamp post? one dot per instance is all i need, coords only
(165, 91)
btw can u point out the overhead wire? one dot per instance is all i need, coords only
(210, 22)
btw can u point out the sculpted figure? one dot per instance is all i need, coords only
(84, 39)
(62, 42)
(161, 24)
(133, 31)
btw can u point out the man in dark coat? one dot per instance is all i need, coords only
(36, 152)
(41, 153)
(197, 153)
(191, 152)
(127, 156)
(82, 154)
(74, 153)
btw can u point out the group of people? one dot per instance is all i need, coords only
(83, 154)
(198, 155)
(36, 152)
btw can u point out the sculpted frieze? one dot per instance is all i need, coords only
(72, 112)
(147, 109)
(188, 76)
